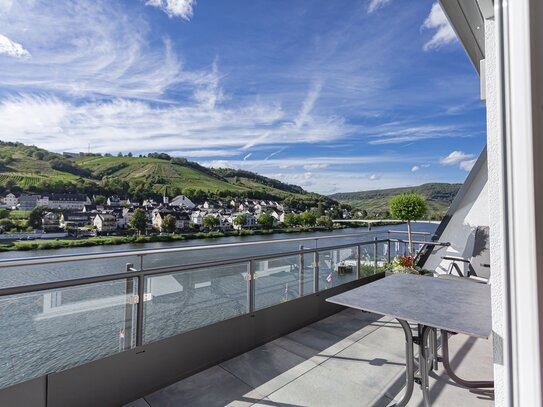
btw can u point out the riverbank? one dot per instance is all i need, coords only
(118, 240)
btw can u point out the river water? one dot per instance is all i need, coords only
(53, 330)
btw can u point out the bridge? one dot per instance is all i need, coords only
(370, 222)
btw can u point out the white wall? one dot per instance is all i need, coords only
(471, 212)
(496, 213)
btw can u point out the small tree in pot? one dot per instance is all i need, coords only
(408, 207)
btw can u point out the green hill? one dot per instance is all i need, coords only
(438, 196)
(31, 169)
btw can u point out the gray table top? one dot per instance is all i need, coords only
(455, 306)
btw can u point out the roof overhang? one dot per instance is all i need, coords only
(467, 19)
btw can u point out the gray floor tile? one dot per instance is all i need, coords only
(371, 368)
(319, 388)
(213, 387)
(137, 403)
(353, 326)
(268, 367)
(319, 340)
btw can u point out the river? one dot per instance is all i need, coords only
(53, 330)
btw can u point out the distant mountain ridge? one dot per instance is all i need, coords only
(439, 197)
(31, 169)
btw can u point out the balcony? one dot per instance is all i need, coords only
(237, 330)
(349, 359)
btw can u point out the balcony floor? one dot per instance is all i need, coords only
(349, 359)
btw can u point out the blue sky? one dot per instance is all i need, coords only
(332, 96)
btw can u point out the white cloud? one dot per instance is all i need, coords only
(396, 133)
(418, 167)
(313, 163)
(374, 177)
(329, 182)
(273, 154)
(467, 165)
(444, 34)
(309, 103)
(202, 153)
(175, 8)
(219, 164)
(56, 124)
(92, 49)
(377, 4)
(12, 48)
(312, 167)
(455, 157)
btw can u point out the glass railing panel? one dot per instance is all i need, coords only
(337, 266)
(52, 272)
(309, 273)
(368, 267)
(53, 330)
(185, 300)
(282, 279)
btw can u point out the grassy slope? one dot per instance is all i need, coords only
(438, 196)
(28, 171)
(140, 169)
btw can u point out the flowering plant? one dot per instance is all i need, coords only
(404, 264)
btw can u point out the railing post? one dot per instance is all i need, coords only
(139, 324)
(359, 261)
(301, 273)
(316, 272)
(375, 254)
(250, 287)
(388, 251)
(125, 338)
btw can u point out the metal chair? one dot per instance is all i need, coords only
(479, 262)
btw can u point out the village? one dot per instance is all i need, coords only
(77, 215)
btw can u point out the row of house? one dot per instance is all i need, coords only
(53, 201)
(78, 212)
(116, 214)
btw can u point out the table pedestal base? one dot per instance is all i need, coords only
(427, 343)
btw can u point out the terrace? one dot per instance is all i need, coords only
(348, 359)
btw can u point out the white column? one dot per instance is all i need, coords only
(496, 215)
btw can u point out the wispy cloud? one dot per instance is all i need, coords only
(397, 133)
(273, 154)
(455, 157)
(374, 177)
(467, 165)
(175, 8)
(377, 4)
(444, 33)
(313, 167)
(12, 48)
(247, 156)
(418, 167)
(308, 105)
(202, 153)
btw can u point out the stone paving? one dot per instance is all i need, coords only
(349, 359)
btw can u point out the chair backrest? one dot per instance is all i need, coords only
(480, 258)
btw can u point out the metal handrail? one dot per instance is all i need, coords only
(65, 258)
(187, 267)
(170, 269)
